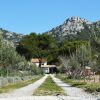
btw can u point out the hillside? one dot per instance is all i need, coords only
(76, 28)
(12, 37)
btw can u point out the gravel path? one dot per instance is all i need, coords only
(73, 91)
(24, 91)
(45, 98)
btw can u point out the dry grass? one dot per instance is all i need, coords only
(11, 87)
(88, 85)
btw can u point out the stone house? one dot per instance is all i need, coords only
(45, 67)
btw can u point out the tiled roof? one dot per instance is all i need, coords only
(36, 60)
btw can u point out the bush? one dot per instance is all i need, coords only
(12, 64)
(35, 70)
(92, 87)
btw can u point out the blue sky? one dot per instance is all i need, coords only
(25, 16)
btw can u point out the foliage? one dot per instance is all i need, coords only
(35, 70)
(96, 52)
(11, 63)
(37, 46)
(92, 87)
(75, 56)
(62, 69)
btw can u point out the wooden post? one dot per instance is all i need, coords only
(84, 73)
(99, 77)
(94, 76)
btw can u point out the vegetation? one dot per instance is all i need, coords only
(89, 87)
(37, 46)
(49, 88)
(71, 55)
(11, 87)
(11, 63)
(74, 56)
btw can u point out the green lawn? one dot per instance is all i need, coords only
(89, 87)
(11, 87)
(49, 88)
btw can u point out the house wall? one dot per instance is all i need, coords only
(87, 72)
(45, 70)
(44, 63)
(37, 64)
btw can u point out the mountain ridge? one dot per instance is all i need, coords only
(71, 27)
(12, 37)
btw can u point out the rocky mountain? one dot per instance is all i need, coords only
(12, 37)
(75, 28)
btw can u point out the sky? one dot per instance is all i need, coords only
(26, 16)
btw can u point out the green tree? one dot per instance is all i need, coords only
(37, 45)
(75, 56)
(10, 61)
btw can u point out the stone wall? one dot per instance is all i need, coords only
(12, 80)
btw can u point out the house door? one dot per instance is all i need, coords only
(52, 70)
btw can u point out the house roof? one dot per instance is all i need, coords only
(48, 66)
(36, 60)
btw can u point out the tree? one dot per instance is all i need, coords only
(10, 61)
(75, 56)
(37, 46)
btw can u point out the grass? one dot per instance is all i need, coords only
(89, 87)
(49, 88)
(11, 87)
